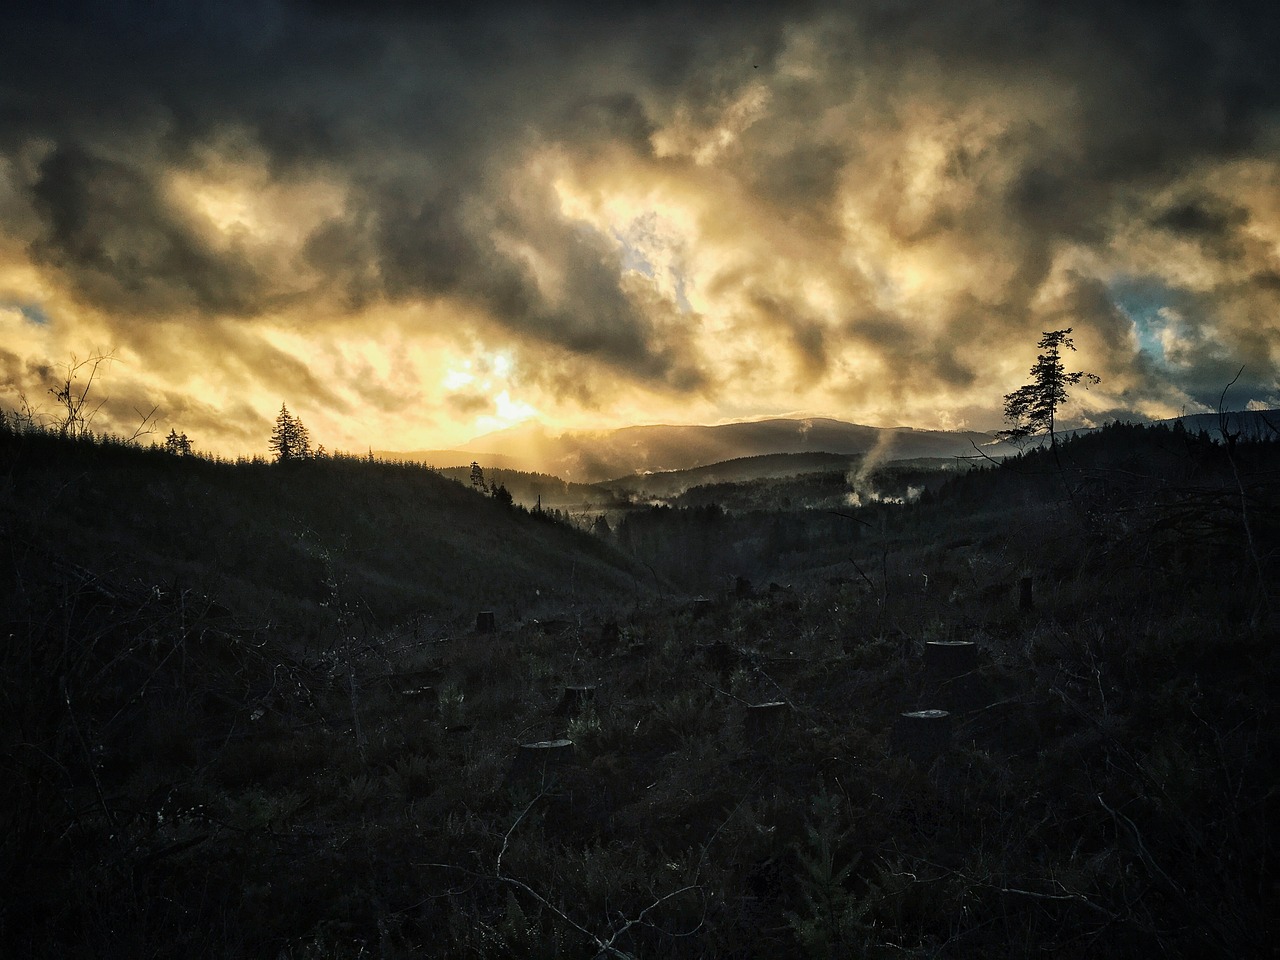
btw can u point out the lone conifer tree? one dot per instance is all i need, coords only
(289, 438)
(1032, 409)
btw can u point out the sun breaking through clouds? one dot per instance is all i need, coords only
(414, 226)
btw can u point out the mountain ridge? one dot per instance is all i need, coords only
(613, 456)
(592, 456)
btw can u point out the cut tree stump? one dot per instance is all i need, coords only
(538, 763)
(948, 659)
(1025, 601)
(762, 721)
(951, 675)
(485, 622)
(574, 700)
(922, 735)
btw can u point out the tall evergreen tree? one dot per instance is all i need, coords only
(1033, 408)
(177, 444)
(289, 438)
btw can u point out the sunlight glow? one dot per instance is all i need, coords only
(244, 204)
(508, 413)
(457, 379)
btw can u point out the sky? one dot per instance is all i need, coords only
(418, 223)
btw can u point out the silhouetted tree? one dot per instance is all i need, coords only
(289, 438)
(1032, 408)
(177, 444)
(477, 476)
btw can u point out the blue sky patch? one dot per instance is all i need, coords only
(32, 312)
(1141, 299)
(634, 259)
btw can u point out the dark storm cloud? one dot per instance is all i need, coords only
(451, 246)
(1206, 218)
(1189, 67)
(110, 233)
(428, 115)
(1213, 223)
(459, 94)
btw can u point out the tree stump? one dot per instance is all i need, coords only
(485, 622)
(762, 721)
(1025, 601)
(701, 608)
(574, 700)
(922, 735)
(947, 659)
(951, 678)
(610, 633)
(537, 763)
(742, 588)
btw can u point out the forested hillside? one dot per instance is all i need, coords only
(294, 542)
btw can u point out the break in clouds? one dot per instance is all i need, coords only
(413, 227)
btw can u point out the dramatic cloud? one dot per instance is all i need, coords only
(413, 223)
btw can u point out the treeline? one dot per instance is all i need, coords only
(1116, 460)
(826, 490)
(1106, 479)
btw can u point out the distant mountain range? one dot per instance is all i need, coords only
(589, 456)
(598, 456)
(769, 466)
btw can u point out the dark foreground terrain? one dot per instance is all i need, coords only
(250, 711)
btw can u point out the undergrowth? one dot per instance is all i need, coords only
(185, 781)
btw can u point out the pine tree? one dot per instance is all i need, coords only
(177, 444)
(1032, 409)
(289, 438)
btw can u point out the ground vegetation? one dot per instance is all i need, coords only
(318, 769)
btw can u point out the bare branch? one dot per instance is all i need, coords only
(849, 516)
(142, 429)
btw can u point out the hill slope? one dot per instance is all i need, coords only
(303, 541)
